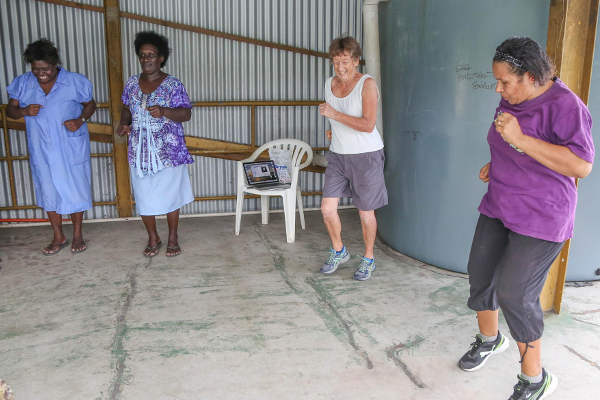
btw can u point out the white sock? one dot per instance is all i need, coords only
(489, 338)
(533, 379)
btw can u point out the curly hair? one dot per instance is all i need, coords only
(522, 55)
(155, 39)
(42, 50)
(345, 44)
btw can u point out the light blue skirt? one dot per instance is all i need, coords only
(163, 192)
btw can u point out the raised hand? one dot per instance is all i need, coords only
(156, 111)
(31, 110)
(73, 124)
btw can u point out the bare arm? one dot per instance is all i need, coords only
(14, 110)
(178, 114)
(89, 108)
(366, 123)
(556, 157)
(125, 123)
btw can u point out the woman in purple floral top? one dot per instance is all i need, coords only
(154, 106)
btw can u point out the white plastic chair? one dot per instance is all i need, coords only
(290, 195)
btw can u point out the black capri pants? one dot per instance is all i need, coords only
(508, 270)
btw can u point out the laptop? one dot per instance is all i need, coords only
(263, 175)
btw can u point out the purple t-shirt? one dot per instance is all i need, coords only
(529, 198)
(168, 135)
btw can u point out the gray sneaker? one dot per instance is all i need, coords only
(334, 261)
(480, 351)
(365, 269)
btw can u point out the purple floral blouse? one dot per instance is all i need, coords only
(168, 140)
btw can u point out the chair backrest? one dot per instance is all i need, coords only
(298, 148)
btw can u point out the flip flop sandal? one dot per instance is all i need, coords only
(60, 247)
(80, 250)
(173, 249)
(152, 249)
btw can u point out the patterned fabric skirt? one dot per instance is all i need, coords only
(163, 192)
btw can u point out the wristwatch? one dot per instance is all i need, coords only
(83, 119)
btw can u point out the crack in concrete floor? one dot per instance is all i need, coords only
(117, 346)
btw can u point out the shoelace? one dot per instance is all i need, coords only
(332, 254)
(519, 392)
(475, 345)
(364, 265)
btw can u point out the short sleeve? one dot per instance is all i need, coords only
(127, 92)
(17, 87)
(83, 87)
(574, 130)
(180, 98)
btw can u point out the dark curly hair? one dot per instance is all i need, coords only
(42, 50)
(523, 54)
(155, 39)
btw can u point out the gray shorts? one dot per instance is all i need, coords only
(359, 176)
(508, 270)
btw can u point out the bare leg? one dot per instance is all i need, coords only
(173, 248)
(488, 322)
(153, 238)
(329, 207)
(532, 362)
(78, 244)
(59, 236)
(369, 230)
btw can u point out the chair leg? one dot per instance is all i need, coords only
(289, 209)
(264, 208)
(238, 211)
(300, 208)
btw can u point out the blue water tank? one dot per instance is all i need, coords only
(438, 104)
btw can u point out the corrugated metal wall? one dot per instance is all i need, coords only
(211, 68)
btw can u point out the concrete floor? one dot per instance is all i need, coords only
(250, 317)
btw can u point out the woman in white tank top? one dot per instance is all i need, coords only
(351, 106)
(355, 160)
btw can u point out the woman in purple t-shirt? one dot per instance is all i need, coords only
(540, 141)
(154, 106)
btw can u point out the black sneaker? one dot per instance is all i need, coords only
(480, 351)
(525, 390)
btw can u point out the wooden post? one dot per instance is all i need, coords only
(571, 41)
(9, 161)
(112, 28)
(253, 127)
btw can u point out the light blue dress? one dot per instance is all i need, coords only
(59, 159)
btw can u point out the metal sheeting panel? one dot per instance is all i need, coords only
(79, 35)
(211, 69)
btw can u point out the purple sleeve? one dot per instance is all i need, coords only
(180, 98)
(125, 96)
(574, 130)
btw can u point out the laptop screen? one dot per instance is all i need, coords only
(261, 172)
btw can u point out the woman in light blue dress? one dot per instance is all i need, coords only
(154, 106)
(56, 104)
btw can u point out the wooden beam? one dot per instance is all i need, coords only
(210, 32)
(571, 40)
(251, 103)
(73, 4)
(112, 28)
(196, 143)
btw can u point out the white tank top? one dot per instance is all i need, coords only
(345, 140)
